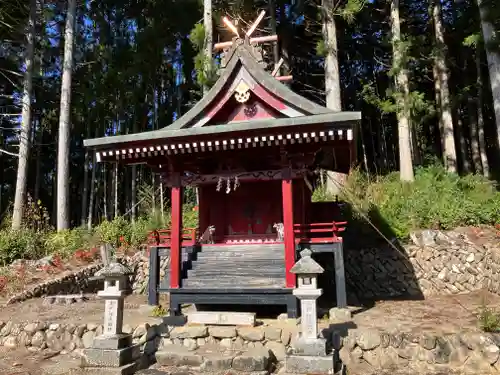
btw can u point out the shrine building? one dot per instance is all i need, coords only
(252, 147)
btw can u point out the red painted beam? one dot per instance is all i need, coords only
(176, 237)
(287, 192)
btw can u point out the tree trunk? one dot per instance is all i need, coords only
(63, 156)
(480, 116)
(332, 77)
(24, 143)
(38, 161)
(332, 81)
(209, 37)
(92, 193)
(493, 57)
(115, 206)
(449, 150)
(403, 88)
(474, 136)
(85, 190)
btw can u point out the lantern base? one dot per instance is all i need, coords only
(119, 341)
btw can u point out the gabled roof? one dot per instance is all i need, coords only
(241, 56)
(242, 63)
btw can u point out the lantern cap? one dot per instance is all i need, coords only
(114, 269)
(306, 265)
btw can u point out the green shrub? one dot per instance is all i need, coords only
(436, 199)
(21, 244)
(159, 311)
(66, 242)
(489, 320)
(110, 232)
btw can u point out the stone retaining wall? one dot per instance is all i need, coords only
(436, 263)
(468, 352)
(471, 352)
(78, 282)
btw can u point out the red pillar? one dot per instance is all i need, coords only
(287, 192)
(176, 235)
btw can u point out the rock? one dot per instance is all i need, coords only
(251, 334)
(272, 333)
(10, 342)
(442, 351)
(278, 349)
(226, 343)
(222, 332)
(140, 330)
(190, 344)
(53, 341)
(174, 355)
(215, 364)
(490, 353)
(427, 342)
(476, 364)
(80, 330)
(339, 315)
(252, 360)
(31, 328)
(38, 339)
(24, 339)
(127, 329)
(88, 339)
(54, 327)
(189, 332)
(285, 336)
(5, 331)
(368, 339)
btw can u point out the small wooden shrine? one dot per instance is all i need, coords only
(252, 147)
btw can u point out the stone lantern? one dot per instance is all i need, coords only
(113, 350)
(115, 288)
(309, 351)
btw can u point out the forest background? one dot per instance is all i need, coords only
(424, 74)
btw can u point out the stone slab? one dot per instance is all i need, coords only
(221, 318)
(310, 347)
(128, 369)
(176, 355)
(119, 341)
(296, 364)
(93, 357)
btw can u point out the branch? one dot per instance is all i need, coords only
(8, 153)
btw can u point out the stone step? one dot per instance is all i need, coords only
(253, 360)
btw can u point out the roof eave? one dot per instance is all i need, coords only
(335, 118)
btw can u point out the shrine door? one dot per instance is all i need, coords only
(253, 208)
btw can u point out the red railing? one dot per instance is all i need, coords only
(319, 232)
(162, 237)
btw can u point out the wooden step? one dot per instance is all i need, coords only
(234, 274)
(243, 248)
(234, 283)
(243, 262)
